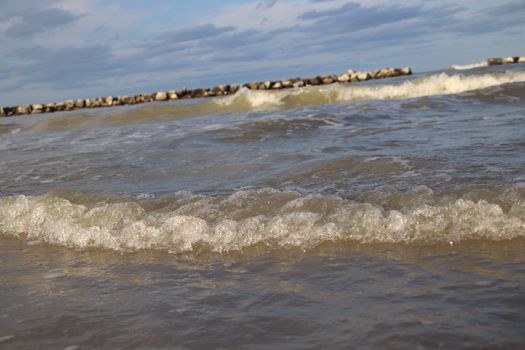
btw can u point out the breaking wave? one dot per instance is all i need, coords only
(277, 219)
(246, 100)
(469, 66)
(440, 84)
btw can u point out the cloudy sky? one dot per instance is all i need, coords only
(51, 50)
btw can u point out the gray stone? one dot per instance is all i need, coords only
(172, 95)
(49, 107)
(287, 83)
(126, 100)
(406, 71)
(277, 85)
(252, 86)
(196, 93)
(314, 80)
(37, 108)
(327, 80)
(386, 72)
(494, 61)
(362, 76)
(161, 96)
(374, 73)
(22, 110)
(97, 102)
(234, 88)
(343, 78)
(69, 105)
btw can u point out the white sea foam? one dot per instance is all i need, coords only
(441, 84)
(438, 84)
(469, 66)
(271, 217)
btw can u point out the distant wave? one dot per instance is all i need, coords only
(268, 217)
(246, 100)
(469, 66)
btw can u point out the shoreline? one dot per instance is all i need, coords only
(350, 76)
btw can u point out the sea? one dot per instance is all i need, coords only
(387, 214)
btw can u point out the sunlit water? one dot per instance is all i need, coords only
(388, 214)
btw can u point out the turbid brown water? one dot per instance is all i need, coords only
(382, 215)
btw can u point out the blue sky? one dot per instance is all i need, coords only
(51, 50)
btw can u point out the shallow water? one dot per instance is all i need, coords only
(389, 214)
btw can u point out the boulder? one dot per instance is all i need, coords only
(350, 72)
(9, 111)
(148, 97)
(2, 113)
(521, 59)
(507, 60)
(277, 85)
(299, 83)
(252, 86)
(69, 105)
(161, 96)
(406, 71)
(172, 95)
(80, 103)
(223, 89)
(217, 90)
(494, 61)
(234, 88)
(374, 73)
(209, 93)
(126, 100)
(287, 83)
(362, 76)
(261, 86)
(108, 101)
(267, 84)
(386, 73)
(60, 106)
(22, 110)
(327, 80)
(196, 93)
(98, 102)
(314, 80)
(37, 108)
(87, 102)
(49, 107)
(343, 78)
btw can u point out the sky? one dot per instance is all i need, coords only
(52, 50)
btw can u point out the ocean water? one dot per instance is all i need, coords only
(387, 214)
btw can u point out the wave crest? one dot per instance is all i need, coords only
(269, 217)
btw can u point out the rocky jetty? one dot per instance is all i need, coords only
(110, 101)
(495, 61)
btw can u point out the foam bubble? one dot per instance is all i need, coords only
(469, 66)
(267, 216)
(438, 84)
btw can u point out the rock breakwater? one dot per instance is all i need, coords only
(110, 101)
